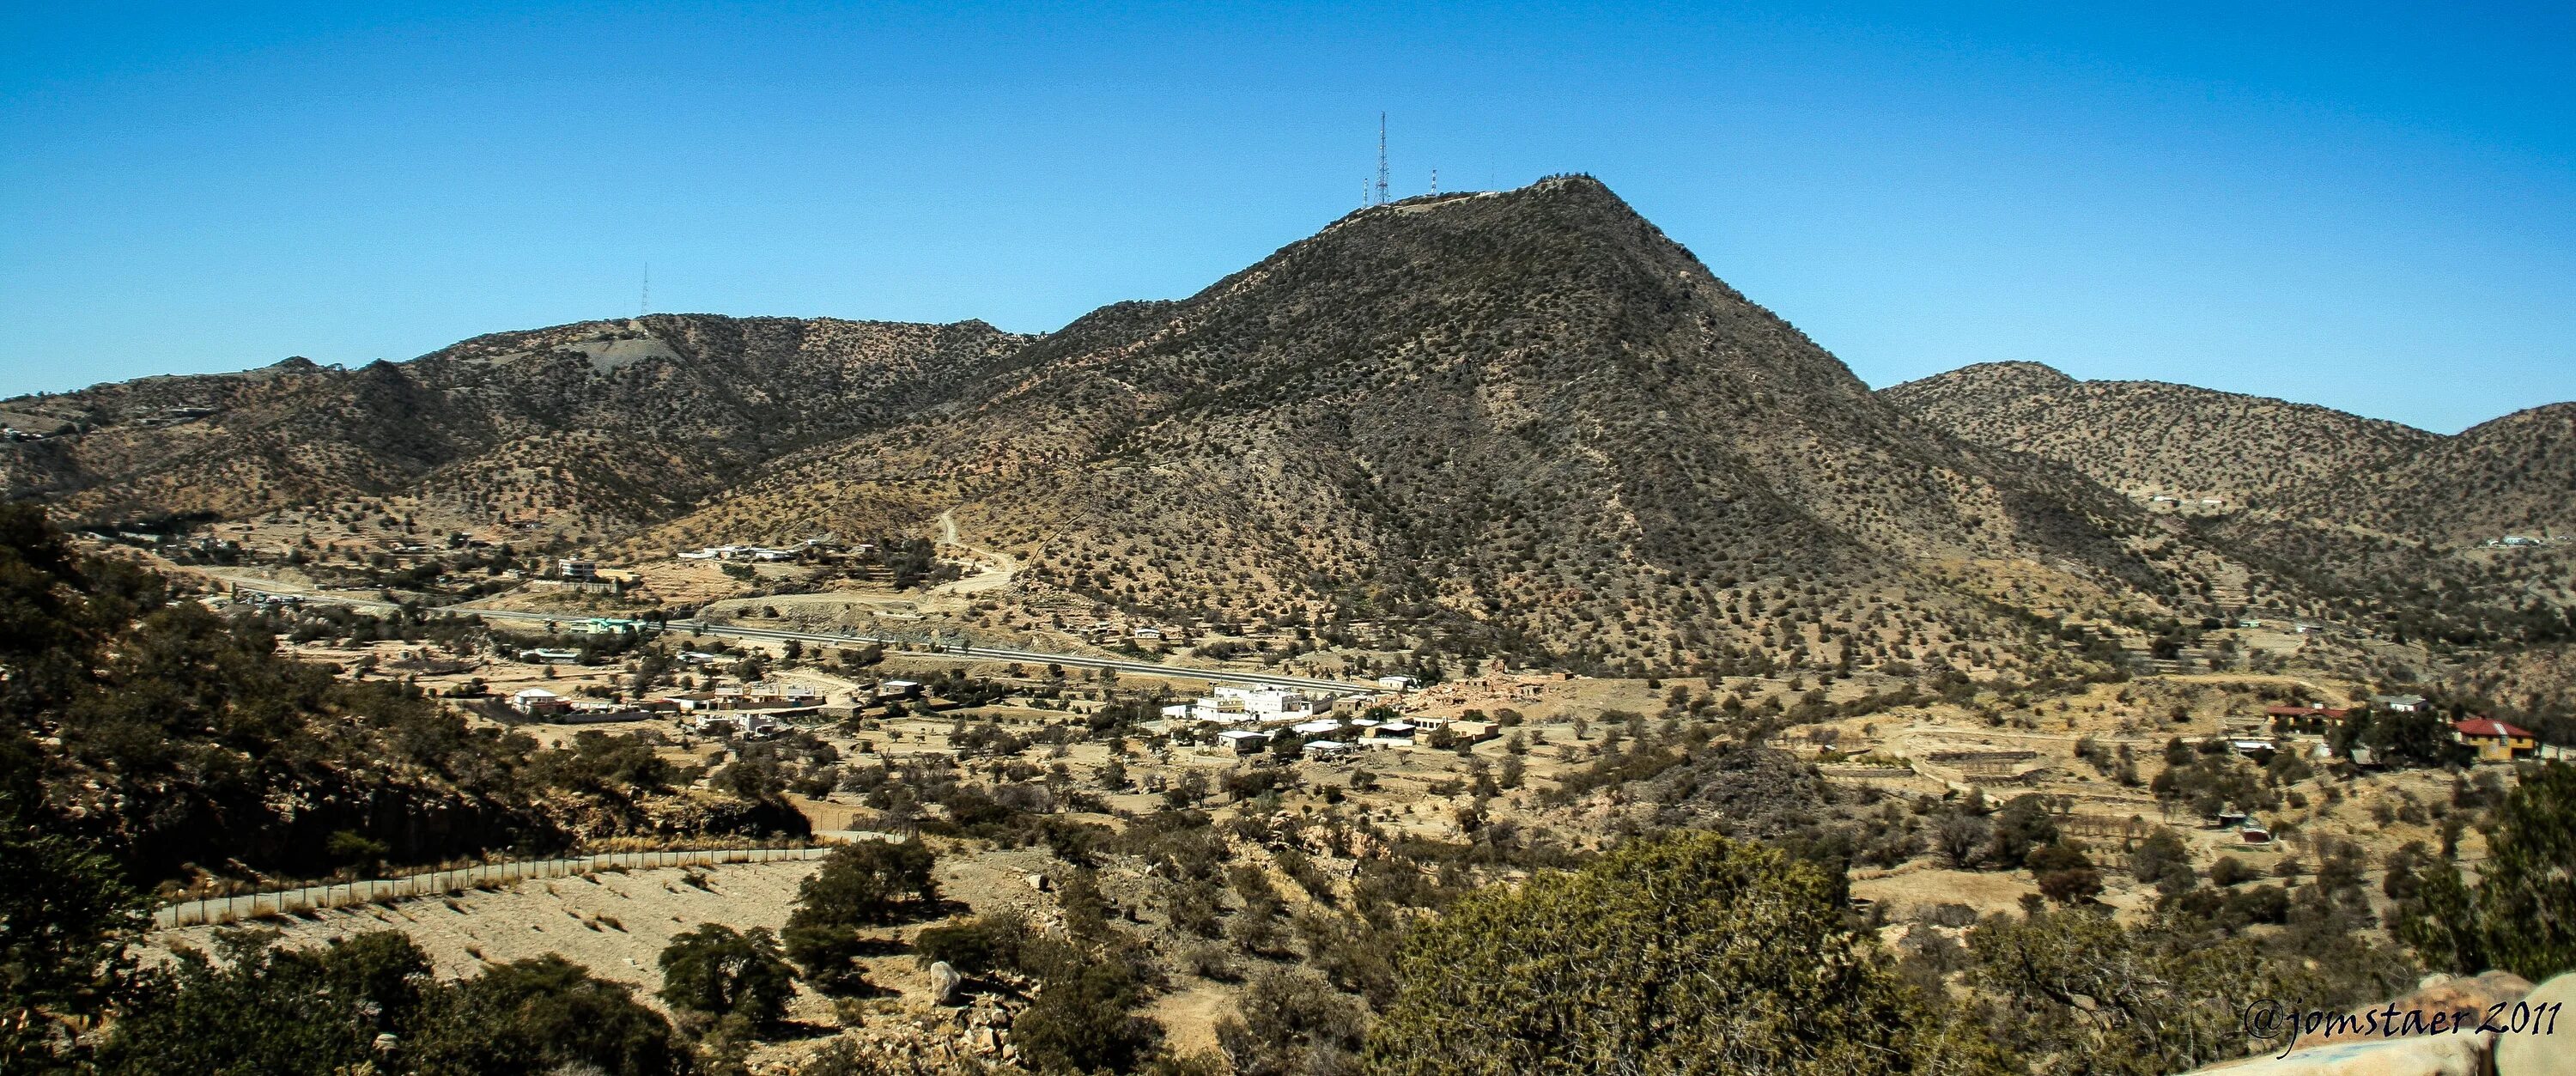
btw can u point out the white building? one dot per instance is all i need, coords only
(1327, 749)
(1398, 683)
(537, 700)
(1272, 704)
(747, 724)
(1244, 741)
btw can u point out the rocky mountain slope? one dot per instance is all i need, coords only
(618, 422)
(1529, 412)
(2515, 475)
(2382, 525)
(1526, 418)
(2150, 437)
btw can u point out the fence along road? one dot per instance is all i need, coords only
(190, 913)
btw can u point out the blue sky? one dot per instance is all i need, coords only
(2368, 207)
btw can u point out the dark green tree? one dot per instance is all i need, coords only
(1688, 954)
(65, 914)
(543, 1015)
(718, 972)
(1084, 1021)
(2521, 914)
(263, 1009)
(862, 885)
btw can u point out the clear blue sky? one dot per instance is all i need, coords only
(2368, 207)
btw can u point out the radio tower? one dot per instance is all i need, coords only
(1435, 181)
(644, 305)
(1381, 158)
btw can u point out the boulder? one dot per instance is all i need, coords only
(944, 983)
(2535, 1041)
(2461, 998)
(2421, 1055)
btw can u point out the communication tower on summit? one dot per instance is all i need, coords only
(644, 305)
(1435, 181)
(1381, 158)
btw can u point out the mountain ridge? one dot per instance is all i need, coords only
(1426, 381)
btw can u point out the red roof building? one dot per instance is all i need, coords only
(2495, 740)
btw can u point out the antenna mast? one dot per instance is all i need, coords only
(1381, 158)
(1435, 181)
(644, 305)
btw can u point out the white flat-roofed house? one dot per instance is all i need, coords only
(748, 724)
(1272, 704)
(1316, 728)
(537, 700)
(1244, 741)
(1326, 749)
(1398, 683)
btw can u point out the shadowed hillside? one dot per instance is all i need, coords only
(618, 423)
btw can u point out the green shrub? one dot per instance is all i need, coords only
(1687, 954)
(717, 972)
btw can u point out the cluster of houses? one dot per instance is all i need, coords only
(742, 552)
(2493, 740)
(754, 709)
(1255, 716)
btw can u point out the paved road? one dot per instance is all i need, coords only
(1080, 661)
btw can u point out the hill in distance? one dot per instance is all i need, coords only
(2395, 528)
(2150, 437)
(606, 424)
(1528, 413)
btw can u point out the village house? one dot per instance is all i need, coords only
(2496, 741)
(2402, 704)
(746, 724)
(1326, 749)
(537, 700)
(1243, 741)
(1268, 705)
(570, 568)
